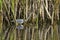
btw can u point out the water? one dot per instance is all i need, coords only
(19, 27)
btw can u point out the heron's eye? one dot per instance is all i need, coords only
(20, 21)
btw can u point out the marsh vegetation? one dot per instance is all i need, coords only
(29, 19)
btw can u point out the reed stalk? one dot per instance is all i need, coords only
(1, 19)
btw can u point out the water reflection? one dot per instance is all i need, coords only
(19, 27)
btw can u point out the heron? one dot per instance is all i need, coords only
(20, 22)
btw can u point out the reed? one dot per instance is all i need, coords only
(1, 19)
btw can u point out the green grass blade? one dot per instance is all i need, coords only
(1, 19)
(0, 4)
(12, 5)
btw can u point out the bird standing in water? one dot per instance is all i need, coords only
(19, 24)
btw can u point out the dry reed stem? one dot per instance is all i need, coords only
(47, 30)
